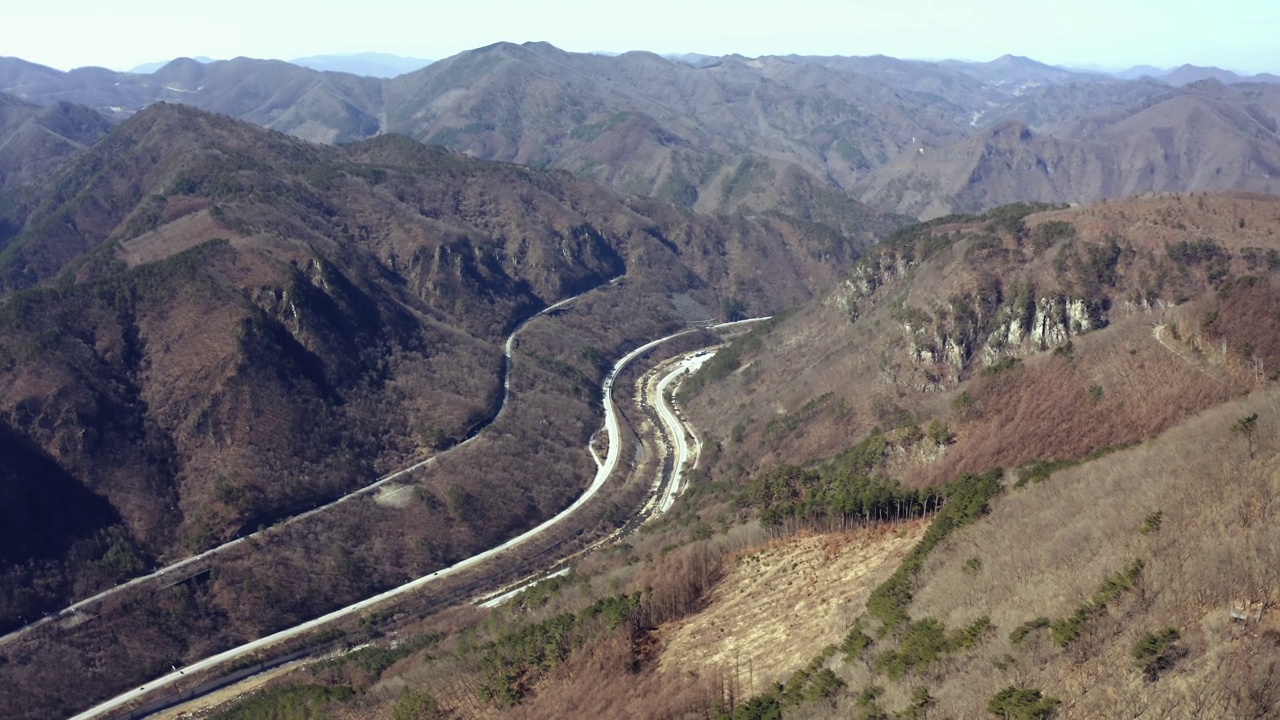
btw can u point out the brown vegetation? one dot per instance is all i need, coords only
(1140, 580)
(777, 604)
(871, 354)
(353, 320)
(1045, 548)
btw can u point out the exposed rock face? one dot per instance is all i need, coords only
(870, 275)
(948, 343)
(949, 338)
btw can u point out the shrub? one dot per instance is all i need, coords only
(926, 641)
(1021, 632)
(921, 701)
(1069, 630)
(1023, 704)
(1246, 427)
(939, 433)
(415, 706)
(1195, 252)
(812, 682)
(1151, 523)
(1155, 653)
(855, 642)
(966, 407)
(923, 642)
(1001, 366)
(1048, 233)
(868, 708)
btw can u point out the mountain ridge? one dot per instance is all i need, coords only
(736, 133)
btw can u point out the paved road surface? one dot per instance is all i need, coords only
(675, 427)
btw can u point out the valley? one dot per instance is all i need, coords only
(667, 487)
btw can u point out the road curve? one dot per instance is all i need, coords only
(612, 427)
(675, 427)
(472, 435)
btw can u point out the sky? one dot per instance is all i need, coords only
(1235, 34)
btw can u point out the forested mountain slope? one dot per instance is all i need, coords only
(35, 141)
(210, 325)
(1202, 137)
(1029, 335)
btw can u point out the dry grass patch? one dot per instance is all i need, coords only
(777, 607)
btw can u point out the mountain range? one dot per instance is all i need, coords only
(721, 134)
(36, 140)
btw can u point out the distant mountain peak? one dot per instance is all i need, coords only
(151, 67)
(541, 45)
(180, 65)
(1187, 74)
(1021, 61)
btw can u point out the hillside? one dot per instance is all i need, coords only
(35, 141)
(684, 123)
(1117, 361)
(1058, 297)
(209, 326)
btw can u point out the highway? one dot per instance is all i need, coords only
(675, 427)
(82, 605)
(605, 469)
(664, 489)
(612, 428)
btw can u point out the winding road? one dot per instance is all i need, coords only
(676, 427)
(603, 472)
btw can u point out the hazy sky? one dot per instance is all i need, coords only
(1236, 34)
